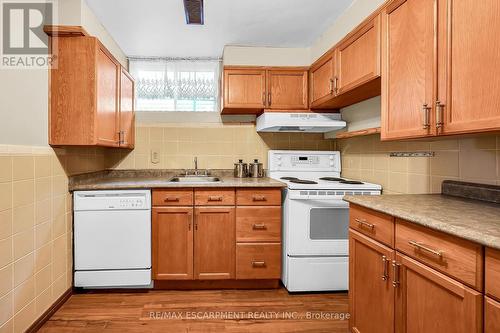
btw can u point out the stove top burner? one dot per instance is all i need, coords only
(289, 178)
(332, 179)
(352, 182)
(302, 181)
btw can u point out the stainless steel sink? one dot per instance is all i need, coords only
(195, 179)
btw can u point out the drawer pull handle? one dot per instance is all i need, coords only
(362, 223)
(215, 198)
(258, 264)
(260, 226)
(171, 199)
(385, 263)
(395, 280)
(259, 198)
(420, 246)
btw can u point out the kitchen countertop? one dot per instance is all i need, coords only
(131, 179)
(474, 220)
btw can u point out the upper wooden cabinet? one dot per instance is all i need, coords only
(439, 68)
(250, 90)
(91, 96)
(350, 72)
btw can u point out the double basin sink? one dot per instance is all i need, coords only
(195, 179)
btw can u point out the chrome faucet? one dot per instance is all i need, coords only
(196, 165)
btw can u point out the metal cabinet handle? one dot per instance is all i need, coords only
(331, 86)
(269, 98)
(121, 137)
(215, 198)
(189, 226)
(385, 263)
(258, 263)
(259, 198)
(362, 223)
(439, 114)
(423, 247)
(395, 280)
(264, 97)
(426, 110)
(171, 199)
(335, 84)
(260, 226)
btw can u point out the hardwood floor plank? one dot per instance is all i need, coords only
(201, 311)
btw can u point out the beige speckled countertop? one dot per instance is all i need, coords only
(130, 179)
(474, 220)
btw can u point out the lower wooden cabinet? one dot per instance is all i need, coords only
(491, 315)
(431, 302)
(214, 243)
(391, 289)
(172, 250)
(371, 293)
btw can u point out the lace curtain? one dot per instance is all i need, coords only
(176, 84)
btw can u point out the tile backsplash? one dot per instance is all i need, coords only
(475, 159)
(36, 228)
(216, 147)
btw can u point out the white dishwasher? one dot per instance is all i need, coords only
(112, 238)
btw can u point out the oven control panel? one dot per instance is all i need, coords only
(289, 160)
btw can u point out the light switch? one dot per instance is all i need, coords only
(155, 156)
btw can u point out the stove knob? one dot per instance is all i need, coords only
(331, 164)
(331, 157)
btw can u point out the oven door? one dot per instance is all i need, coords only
(315, 227)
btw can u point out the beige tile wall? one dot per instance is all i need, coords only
(36, 228)
(475, 159)
(216, 147)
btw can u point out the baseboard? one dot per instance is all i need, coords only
(215, 284)
(50, 311)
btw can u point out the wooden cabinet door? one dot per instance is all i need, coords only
(214, 243)
(107, 111)
(127, 116)
(469, 75)
(172, 243)
(245, 88)
(431, 302)
(408, 69)
(287, 89)
(321, 79)
(358, 57)
(491, 315)
(371, 294)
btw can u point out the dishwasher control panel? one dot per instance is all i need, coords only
(112, 200)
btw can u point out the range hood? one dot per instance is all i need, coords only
(299, 122)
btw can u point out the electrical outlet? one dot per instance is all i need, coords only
(155, 156)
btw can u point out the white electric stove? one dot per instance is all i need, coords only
(315, 218)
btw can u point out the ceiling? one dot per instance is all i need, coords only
(158, 28)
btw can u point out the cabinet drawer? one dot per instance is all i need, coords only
(258, 197)
(492, 277)
(491, 315)
(376, 225)
(258, 224)
(173, 197)
(214, 197)
(459, 258)
(258, 261)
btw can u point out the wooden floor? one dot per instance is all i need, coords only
(201, 312)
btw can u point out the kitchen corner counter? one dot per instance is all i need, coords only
(134, 179)
(474, 220)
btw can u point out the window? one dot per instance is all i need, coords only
(176, 85)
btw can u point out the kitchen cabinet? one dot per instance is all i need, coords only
(350, 72)
(428, 301)
(91, 96)
(427, 281)
(207, 234)
(439, 76)
(371, 294)
(491, 315)
(250, 90)
(172, 246)
(492, 273)
(214, 243)
(244, 88)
